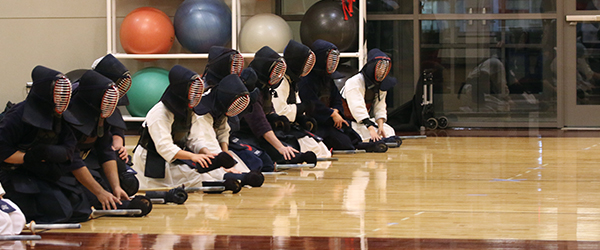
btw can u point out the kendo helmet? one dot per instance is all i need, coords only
(222, 62)
(270, 67)
(95, 101)
(327, 56)
(376, 70)
(184, 91)
(299, 58)
(230, 97)
(111, 67)
(49, 96)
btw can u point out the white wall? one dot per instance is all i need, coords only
(59, 34)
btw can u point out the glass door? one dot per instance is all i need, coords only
(491, 61)
(582, 63)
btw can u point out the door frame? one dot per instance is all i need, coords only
(574, 116)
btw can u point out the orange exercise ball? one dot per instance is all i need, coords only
(147, 30)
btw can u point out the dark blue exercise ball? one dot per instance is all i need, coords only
(325, 20)
(345, 71)
(201, 24)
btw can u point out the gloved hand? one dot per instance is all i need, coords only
(300, 109)
(138, 202)
(47, 153)
(230, 184)
(223, 159)
(307, 123)
(43, 161)
(279, 122)
(176, 195)
(49, 171)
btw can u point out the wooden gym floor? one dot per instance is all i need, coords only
(456, 189)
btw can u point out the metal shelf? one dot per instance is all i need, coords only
(161, 56)
(129, 118)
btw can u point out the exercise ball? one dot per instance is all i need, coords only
(345, 71)
(147, 30)
(147, 87)
(201, 24)
(325, 20)
(265, 30)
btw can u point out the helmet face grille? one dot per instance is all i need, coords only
(62, 94)
(109, 101)
(124, 84)
(196, 91)
(333, 59)
(239, 105)
(277, 72)
(309, 64)
(237, 64)
(382, 69)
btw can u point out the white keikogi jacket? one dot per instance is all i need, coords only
(159, 121)
(290, 111)
(11, 223)
(354, 93)
(212, 137)
(280, 102)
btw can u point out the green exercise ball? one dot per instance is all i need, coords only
(147, 86)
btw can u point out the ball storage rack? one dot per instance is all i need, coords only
(112, 42)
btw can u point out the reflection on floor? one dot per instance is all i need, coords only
(449, 189)
(152, 241)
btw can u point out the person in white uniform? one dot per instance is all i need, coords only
(286, 101)
(256, 128)
(366, 92)
(228, 98)
(12, 220)
(223, 62)
(167, 156)
(327, 106)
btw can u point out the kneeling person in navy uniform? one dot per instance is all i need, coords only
(36, 148)
(93, 104)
